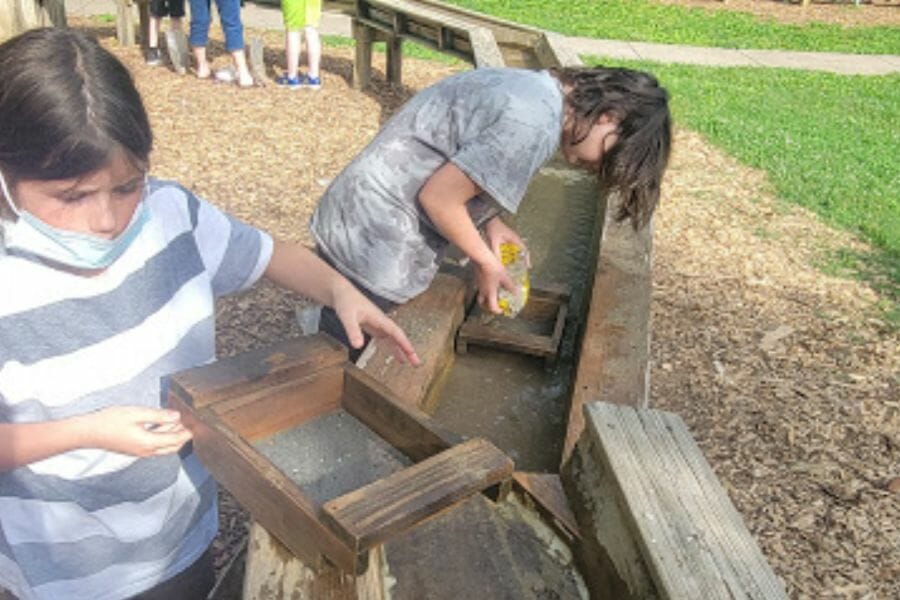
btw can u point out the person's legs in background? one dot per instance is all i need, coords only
(301, 15)
(159, 9)
(312, 15)
(314, 56)
(199, 36)
(230, 15)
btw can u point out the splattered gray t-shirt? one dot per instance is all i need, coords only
(497, 125)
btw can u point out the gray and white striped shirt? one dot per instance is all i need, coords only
(91, 524)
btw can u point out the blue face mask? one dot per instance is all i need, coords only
(29, 236)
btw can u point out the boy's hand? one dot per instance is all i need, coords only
(135, 430)
(490, 276)
(496, 232)
(357, 313)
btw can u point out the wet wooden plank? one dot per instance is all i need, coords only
(649, 501)
(430, 320)
(402, 426)
(285, 406)
(258, 370)
(613, 359)
(546, 490)
(384, 508)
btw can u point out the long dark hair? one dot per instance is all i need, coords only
(634, 166)
(66, 105)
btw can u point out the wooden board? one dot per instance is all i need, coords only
(258, 370)
(407, 429)
(546, 490)
(644, 492)
(380, 510)
(430, 320)
(613, 359)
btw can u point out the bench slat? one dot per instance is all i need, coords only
(693, 542)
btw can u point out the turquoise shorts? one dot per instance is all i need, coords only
(301, 13)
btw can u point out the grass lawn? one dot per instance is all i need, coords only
(828, 142)
(640, 20)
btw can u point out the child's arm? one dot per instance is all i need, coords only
(296, 268)
(444, 197)
(133, 430)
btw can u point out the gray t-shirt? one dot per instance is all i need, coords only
(497, 125)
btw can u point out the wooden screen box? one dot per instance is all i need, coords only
(537, 330)
(248, 412)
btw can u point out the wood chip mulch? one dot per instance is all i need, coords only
(787, 378)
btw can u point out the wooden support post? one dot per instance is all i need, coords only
(255, 58)
(362, 65)
(177, 47)
(484, 46)
(274, 573)
(17, 16)
(125, 22)
(144, 22)
(394, 58)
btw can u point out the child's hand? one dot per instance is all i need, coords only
(496, 232)
(490, 277)
(136, 430)
(357, 313)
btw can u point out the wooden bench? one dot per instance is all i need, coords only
(655, 521)
(395, 20)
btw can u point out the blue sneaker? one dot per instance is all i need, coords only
(289, 82)
(310, 83)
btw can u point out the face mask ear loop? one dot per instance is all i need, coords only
(9, 200)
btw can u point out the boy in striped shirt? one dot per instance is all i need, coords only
(110, 280)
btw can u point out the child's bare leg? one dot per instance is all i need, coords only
(245, 78)
(200, 62)
(292, 53)
(175, 24)
(313, 50)
(153, 28)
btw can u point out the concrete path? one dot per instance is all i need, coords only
(267, 16)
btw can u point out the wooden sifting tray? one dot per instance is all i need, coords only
(536, 330)
(241, 409)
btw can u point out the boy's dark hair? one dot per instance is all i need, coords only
(635, 164)
(66, 104)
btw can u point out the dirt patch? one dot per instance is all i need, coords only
(881, 13)
(789, 383)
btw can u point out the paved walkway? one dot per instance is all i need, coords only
(262, 16)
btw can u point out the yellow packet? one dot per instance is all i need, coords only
(513, 258)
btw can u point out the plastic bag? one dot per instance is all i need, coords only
(513, 258)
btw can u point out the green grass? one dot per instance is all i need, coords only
(828, 142)
(642, 20)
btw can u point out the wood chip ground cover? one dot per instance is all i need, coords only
(787, 380)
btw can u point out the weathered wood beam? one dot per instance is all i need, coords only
(655, 521)
(376, 512)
